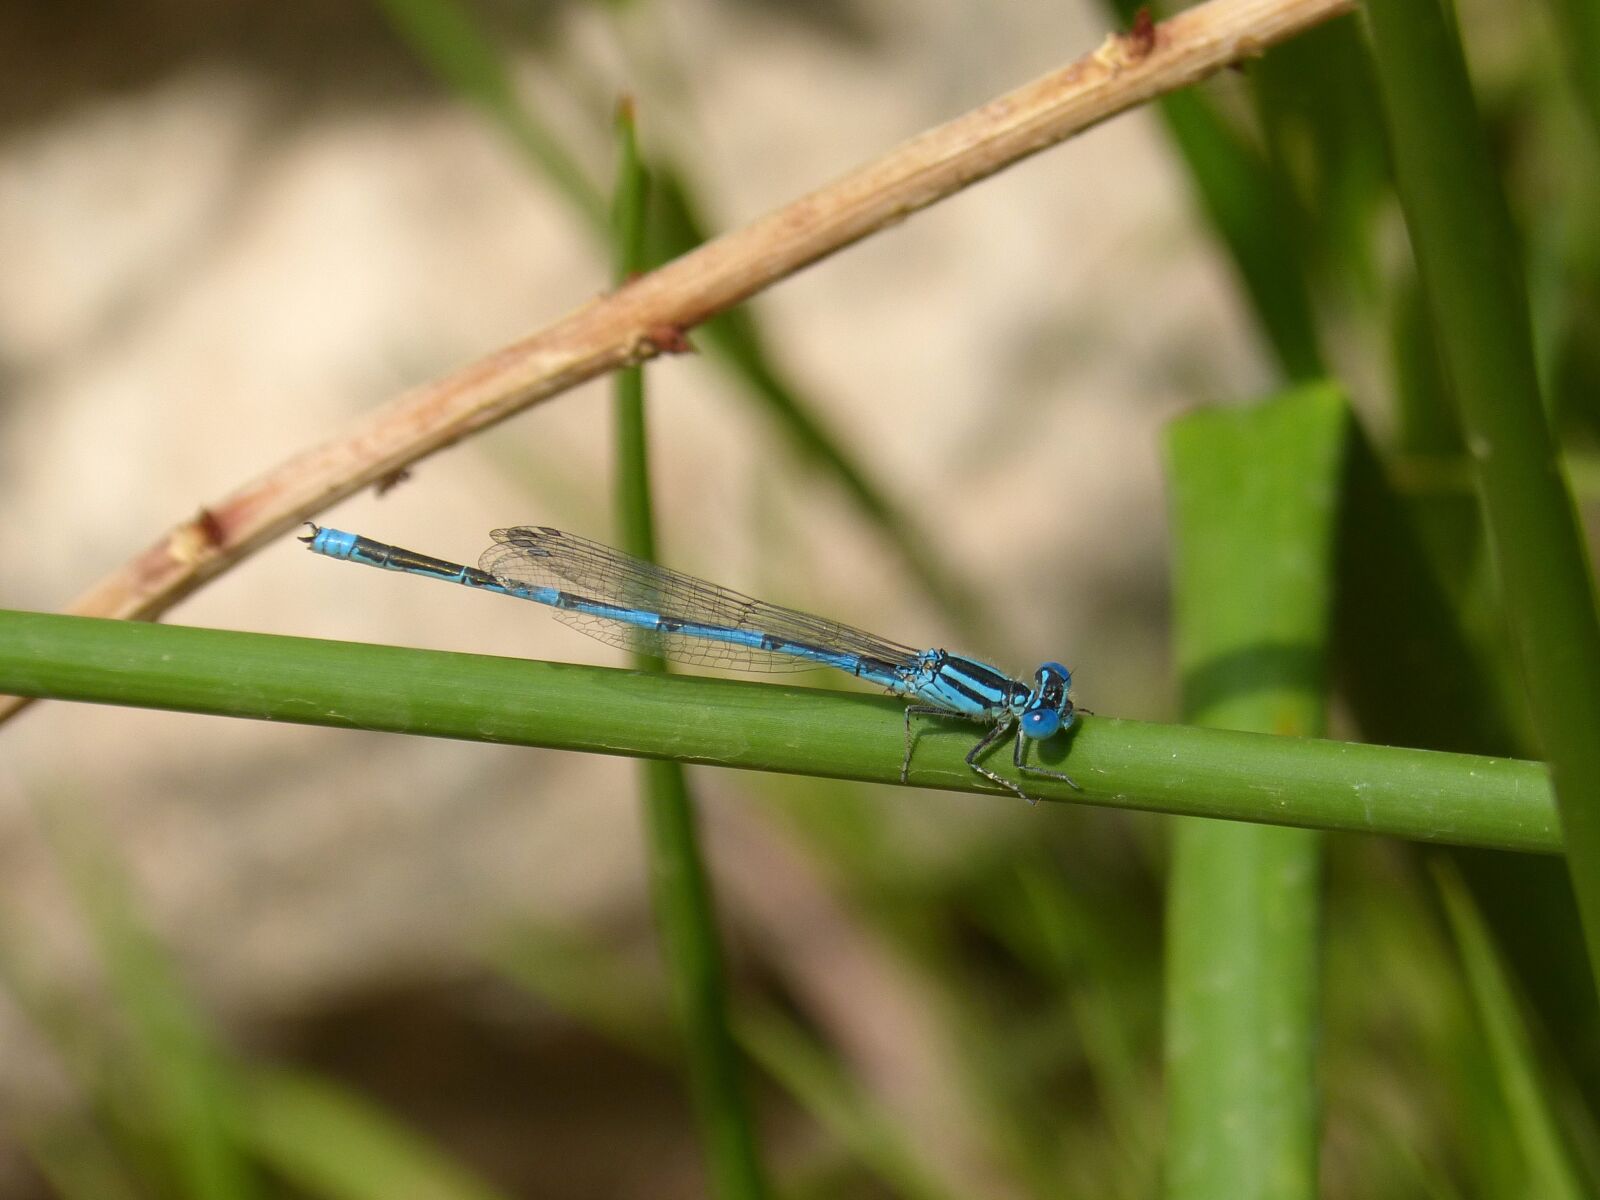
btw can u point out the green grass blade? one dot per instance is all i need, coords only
(186, 1081)
(1255, 507)
(1462, 236)
(685, 915)
(590, 983)
(1549, 1169)
(1428, 429)
(631, 457)
(1099, 956)
(1252, 212)
(1405, 658)
(1250, 209)
(1426, 422)
(816, 1080)
(680, 887)
(330, 1143)
(91, 1148)
(1315, 107)
(1452, 798)
(77, 1163)
(448, 39)
(1577, 29)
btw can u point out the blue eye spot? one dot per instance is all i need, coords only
(1040, 723)
(1056, 668)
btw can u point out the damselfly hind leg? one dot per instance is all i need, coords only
(919, 710)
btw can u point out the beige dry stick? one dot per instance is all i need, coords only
(650, 315)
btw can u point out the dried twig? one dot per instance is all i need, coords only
(650, 314)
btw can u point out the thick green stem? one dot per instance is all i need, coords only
(1255, 507)
(1466, 251)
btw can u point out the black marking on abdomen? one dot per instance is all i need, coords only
(597, 608)
(875, 666)
(397, 559)
(777, 645)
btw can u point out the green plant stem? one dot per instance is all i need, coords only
(1462, 236)
(631, 458)
(1528, 1094)
(1457, 799)
(680, 887)
(1255, 507)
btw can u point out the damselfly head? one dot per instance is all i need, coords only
(1049, 708)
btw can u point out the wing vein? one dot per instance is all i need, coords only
(533, 556)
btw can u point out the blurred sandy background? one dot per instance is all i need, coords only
(228, 229)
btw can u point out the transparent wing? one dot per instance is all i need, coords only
(530, 556)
